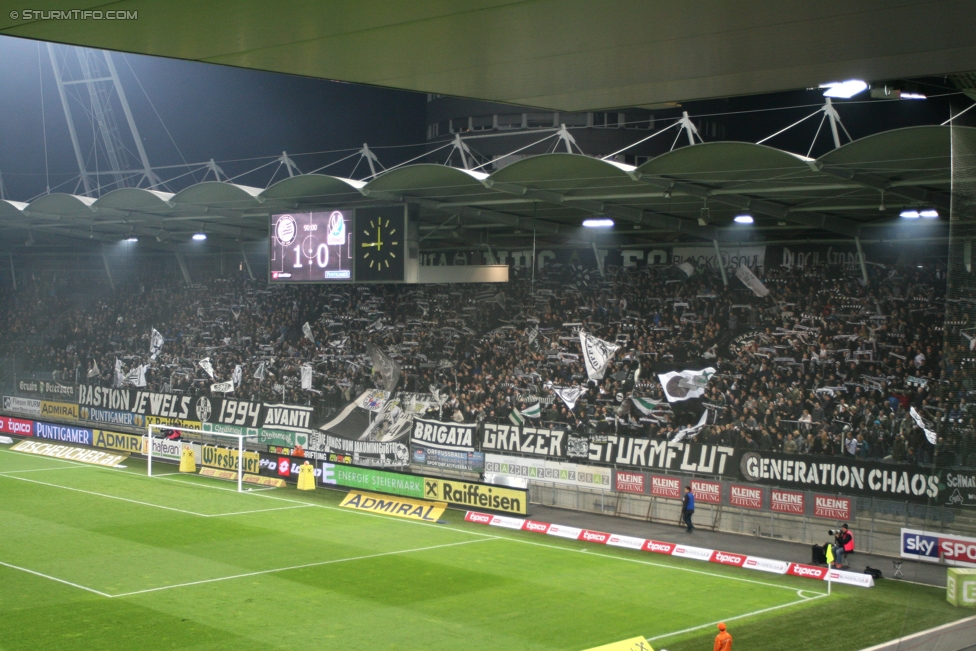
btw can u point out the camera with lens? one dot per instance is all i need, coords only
(832, 532)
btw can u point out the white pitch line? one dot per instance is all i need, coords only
(12, 472)
(54, 578)
(297, 567)
(503, 537)
(280, 508)
(111, 497)
(730, 619)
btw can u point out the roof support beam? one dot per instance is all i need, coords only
(865, 179)
(506, 219)
(761, 206)
(625, 213)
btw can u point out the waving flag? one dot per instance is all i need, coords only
(386, 367)
(93, 371)
(155, 343)
(685, 385)
(929, 434)
(690, 432)
(596, 354)
(207, 366)
(307, 331)
(568, 395)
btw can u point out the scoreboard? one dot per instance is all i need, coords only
(339, 246)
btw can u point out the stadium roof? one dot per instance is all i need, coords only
(859, 185)
(570, 56)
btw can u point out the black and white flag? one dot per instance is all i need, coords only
(690, 432)
(307, 331)
(207, 366)
(237, 375)
(262, 369)
(749, 279)
(596, 354)
(94, 371)
(306, 377)
(136, 377)
(222, 387)
(155, 343)
(685, 385)
(569, 395)
(929, 434)
(386, 367)
(534, 338)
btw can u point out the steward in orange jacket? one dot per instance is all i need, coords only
(723, 641)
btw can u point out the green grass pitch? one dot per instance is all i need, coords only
(98, 558)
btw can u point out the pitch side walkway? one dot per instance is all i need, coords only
(928, 573)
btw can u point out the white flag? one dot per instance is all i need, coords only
(569, 395)
(687, 268)
(533, 411)
(119, 375)
(749, 279)
(690, 432)
(685, 385)
(596, 354)
(929, 434)
(155, 343)
(207, 366)
(93, 371)
(307, 331)
(306, 377)
(222, 387)
(262, 369)
(136, 377)
(238, 373)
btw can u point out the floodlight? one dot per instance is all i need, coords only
(199, 237)
(913, 96)
(928, 213)
(844, 89)
(743, 219)
(132, 239)
(598, 223)
(908, 214)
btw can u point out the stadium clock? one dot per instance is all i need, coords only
(379, 249)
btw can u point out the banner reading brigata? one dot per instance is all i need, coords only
(457, 437)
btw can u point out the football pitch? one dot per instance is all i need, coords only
(99, 558)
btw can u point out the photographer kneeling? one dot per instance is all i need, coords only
(843, 545)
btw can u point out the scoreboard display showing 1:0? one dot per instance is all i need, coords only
(311, 247)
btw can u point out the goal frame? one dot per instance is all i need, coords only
(240, 438)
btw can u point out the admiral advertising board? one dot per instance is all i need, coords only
(59, 410)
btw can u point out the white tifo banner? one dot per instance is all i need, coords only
(555, 472)
(732, 256)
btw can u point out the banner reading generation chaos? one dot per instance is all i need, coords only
(841, 475)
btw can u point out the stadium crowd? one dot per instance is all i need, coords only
(822, 365)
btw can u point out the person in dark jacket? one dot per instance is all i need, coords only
(688, 508)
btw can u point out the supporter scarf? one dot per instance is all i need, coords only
(929, 434)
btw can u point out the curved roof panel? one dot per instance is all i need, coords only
(727, 162)
(135, 199)
(314, 189)
(911, 151)
(427, 180)
(219, 194)
(61, 204)
(563, 172)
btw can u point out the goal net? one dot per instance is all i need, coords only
(218, 450)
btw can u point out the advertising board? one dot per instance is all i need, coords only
(934, 547)
(436, 458)
(64, 433)
(68, 453)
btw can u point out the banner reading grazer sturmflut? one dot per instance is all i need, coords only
(458, 437)
(523, 440)
(664, 455)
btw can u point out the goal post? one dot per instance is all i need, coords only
(235, 442)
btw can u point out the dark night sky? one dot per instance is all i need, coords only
(210, 111)
(229, 113)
